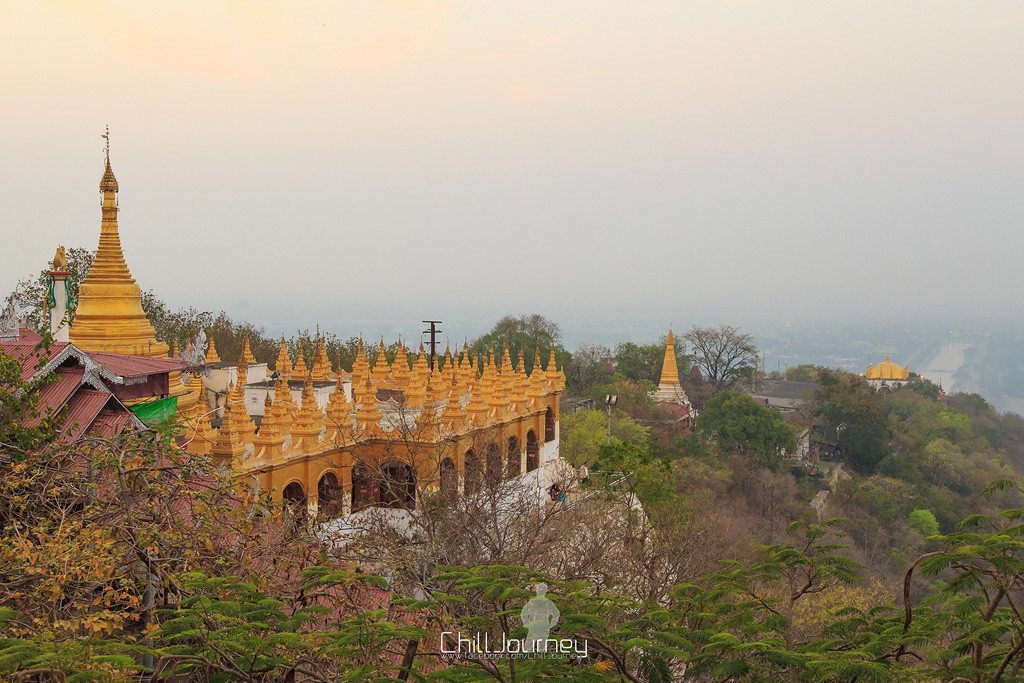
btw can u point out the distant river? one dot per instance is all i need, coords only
(945, 363)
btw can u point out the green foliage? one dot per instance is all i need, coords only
(22, 427)
(738, 424)
(527, 333)
(924, 522)
(803, 373)
(584, 432)
(642, 362)
(855, 420)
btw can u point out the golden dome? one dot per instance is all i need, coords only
(887, 370)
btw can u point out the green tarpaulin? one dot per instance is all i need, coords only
(156, 411)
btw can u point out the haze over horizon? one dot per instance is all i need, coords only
(357, 164)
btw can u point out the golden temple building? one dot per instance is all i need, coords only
(404, 430)
(887, 375)
(377, 434)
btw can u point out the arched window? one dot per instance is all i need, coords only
(365, 491)
(449, 479)
(472, 473)
(514, 463)
(549, 425)
(532, 451)
(295, 498)
(495, 464)
(329, 495)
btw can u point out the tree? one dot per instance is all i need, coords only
(738, 424)
(855, 420)
(592, 364)
(526, 333)
(724, 354)
(924, 522)
(585, 431)
(642, 362)
(803, 373)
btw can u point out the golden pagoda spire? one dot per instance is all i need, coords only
(199, 434)
(421, 367)
(284, 403)
(339, 415)
(269, 440)
(669, 368)
(506, 360)
(400, 372)
(453, 415)
(228, 447)
(247, 356)
(538, 384)
(321, 364)
(245, 428)
(309, 420)
(368, 416)
(478, 408)
(110, 316)
(283, 365)
(360, 365)
(552, 373)
(211, 352)
(299, 370)
(381, 369)
(416, 392)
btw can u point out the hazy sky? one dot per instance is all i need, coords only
(347, 161)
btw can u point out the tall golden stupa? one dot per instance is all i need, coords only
(110, 317)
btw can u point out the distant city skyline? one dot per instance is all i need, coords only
(346, 164)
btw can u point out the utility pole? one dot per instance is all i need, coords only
(433, 332)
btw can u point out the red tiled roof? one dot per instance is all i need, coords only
(109, 423)
(83, 409)
(25, 350)
(124, 365)
(53, 396)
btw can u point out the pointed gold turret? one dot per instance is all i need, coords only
(339, 415)
(211, 353)
(299, 371)
(199, 434)
(309, 421)
(381, 369)
(229, 447)
(360, 366)
(247, 356)
(400, 373)
(321, 363)
(368, 416)
(669, 368)
(283, 366)
(110, 316)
